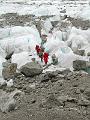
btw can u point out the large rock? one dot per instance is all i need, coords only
(80, 52)
(88, 54)
(79, 65)
(9, 71)
(7, 101)
(31, 69)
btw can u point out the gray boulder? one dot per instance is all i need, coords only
(7, 101)
(31, 69)
(88, 54)
(80, 52)
(9, 71)
(79, 65)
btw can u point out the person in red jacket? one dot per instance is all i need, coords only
(37, 48)
(45, 57)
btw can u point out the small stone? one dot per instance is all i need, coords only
(82, 89)
(87, 93)
(19, 86)
(52, 74)
(72, 100)
(33, 101)
(75, 85)
(11, 107)
(84, 102)
(45, 78)
(78, 91)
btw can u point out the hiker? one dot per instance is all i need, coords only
(45, 57)
(37, 48)
(44, 39)
(41, 55)
(54, 59)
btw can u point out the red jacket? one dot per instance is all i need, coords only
(37, 48)
(45, 57)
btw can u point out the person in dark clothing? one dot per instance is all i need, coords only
(41, 55)
(45, 57)
(37, 48)
(54, 59)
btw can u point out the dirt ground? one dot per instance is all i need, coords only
(59, 97)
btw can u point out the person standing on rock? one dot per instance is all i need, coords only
(45, 57)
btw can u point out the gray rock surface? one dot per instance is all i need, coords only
(88, 54)
(31, 69)
(80, 52)
(79, 65)
(9, 71)
(7, 101)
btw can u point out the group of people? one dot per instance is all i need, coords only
(45, 55)
(42, 54)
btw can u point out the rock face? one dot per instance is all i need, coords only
(79, 65)
(9, 71)
(31, 69)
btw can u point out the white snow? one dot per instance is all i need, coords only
(10, 83)
(78, 39)
(84, 13)
(20, 39)
(49, 7)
